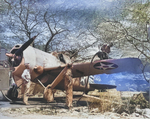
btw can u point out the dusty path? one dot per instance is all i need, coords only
(38, 109)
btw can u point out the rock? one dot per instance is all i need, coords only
(74, 113)
(85, 109)
(137, 115)
(77, 109)
(124, 114)
(94, 110)
(146, 116)
(63, 111)
(138, 110)
(146, 113)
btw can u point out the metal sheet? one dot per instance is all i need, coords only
(2, 55)
(108, 66)
(102, 86)
(37, 57)
(4, 79)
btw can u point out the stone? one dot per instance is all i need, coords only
(137, 115)
(146, 113)
(94, 110)
(138, 110)
(124, 114)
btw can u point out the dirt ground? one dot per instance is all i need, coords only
(57, 111)
(38, 109)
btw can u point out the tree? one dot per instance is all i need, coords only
(67, 31)
(54, 26)
(3, 9)
(23, 19)
(130, 28)
(59, 29)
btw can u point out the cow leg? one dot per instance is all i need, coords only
(69, 88)
(26, 92)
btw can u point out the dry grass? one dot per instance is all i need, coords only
(113, 101)
(109, 101)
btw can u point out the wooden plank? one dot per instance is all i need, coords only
(59, 78)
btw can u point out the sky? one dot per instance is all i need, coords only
(79, 3)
